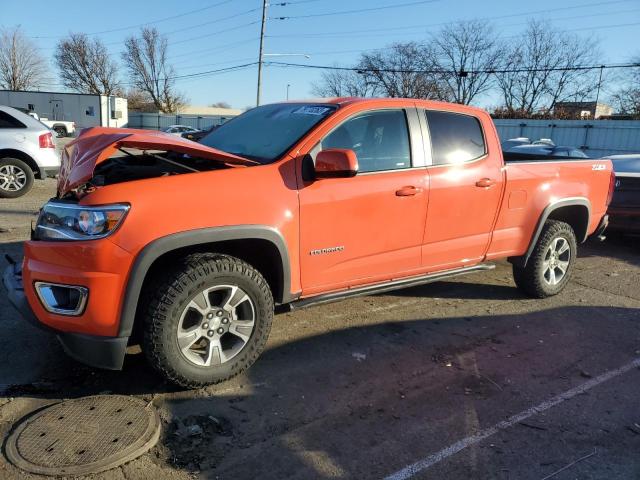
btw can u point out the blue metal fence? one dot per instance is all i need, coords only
(596, 137)
(159, 121)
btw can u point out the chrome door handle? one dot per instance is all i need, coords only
(485, 182)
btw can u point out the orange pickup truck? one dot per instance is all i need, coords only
(185, 248)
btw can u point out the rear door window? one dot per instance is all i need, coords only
(7, 121)
(455, 138)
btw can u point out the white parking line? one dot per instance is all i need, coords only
(429, 461)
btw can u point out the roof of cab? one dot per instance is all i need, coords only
(431, 104)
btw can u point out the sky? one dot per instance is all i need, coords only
(207, 35)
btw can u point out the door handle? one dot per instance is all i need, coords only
(485, 182)
(408, 191)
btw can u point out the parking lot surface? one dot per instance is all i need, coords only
(460, 379)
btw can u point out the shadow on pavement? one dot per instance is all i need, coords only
(353, 402)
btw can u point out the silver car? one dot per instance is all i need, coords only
(27, 152)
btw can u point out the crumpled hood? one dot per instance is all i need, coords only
(97, 144)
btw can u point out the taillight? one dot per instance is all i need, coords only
(46, 140)
(612, 186)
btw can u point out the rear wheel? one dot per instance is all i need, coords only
(208, 320)
(549, 267)
(16, 178)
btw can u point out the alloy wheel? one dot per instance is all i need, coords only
(216, 325)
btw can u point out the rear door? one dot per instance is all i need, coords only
(369, 227)
(466, 181)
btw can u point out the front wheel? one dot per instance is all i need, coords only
(208, 320)
(549, 267)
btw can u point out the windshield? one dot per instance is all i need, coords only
(265, 133)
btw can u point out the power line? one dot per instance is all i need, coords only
(471, 72)
(359, 10)
(213, 48)
(184, 14)
(217, 32)
(534, 12)
(217, 20)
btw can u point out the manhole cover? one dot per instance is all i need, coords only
(86, 435)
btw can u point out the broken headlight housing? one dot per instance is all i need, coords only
(69, 221)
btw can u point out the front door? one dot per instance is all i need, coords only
(369, 227)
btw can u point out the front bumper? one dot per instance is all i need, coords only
(93, 350)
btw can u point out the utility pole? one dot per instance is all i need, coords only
(260, 55)
(595, 109)
(288, 85)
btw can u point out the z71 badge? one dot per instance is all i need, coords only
(598, 166)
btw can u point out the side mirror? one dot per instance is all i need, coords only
(336, 163)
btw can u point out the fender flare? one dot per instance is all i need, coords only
(548, 210)
(154, 250)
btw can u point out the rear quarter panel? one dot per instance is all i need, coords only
(532, 186)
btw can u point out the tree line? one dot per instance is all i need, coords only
(85, 66)
(530, 72)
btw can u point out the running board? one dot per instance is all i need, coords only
(386, 286)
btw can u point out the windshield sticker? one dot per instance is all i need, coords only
(310, 110)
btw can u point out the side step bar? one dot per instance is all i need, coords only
(387, 286)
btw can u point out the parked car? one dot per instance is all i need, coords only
(198, 134)
(624, 211)
(178, 130)
(290, 204)
(61, 127)
(514, 142)
(542, 151)
(27, 152)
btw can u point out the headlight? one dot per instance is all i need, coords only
(67, 221)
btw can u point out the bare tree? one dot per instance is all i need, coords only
(466, 51)
(85, 65)
(538, 70)
(220, 105)
(342, 83)
(403, 70)
(626, 99)
(21, 65)
(149, 70)
(139, 101)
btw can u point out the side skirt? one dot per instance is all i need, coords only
(386, 286)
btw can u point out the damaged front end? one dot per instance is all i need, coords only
(104, 156)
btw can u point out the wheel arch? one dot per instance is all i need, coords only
(261, 246)
(575, 211)
(20, 155)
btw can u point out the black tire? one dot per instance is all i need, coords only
(14, 166)
(60, 131)
(172, 295)
(534, 279)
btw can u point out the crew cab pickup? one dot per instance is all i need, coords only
(185, 248)
(62, 128)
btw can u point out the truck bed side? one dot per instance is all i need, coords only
(574, 191)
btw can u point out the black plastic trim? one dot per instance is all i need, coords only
(387, 286)
(12, 280)
(100, 352)
(566, 202)
(190, 238)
